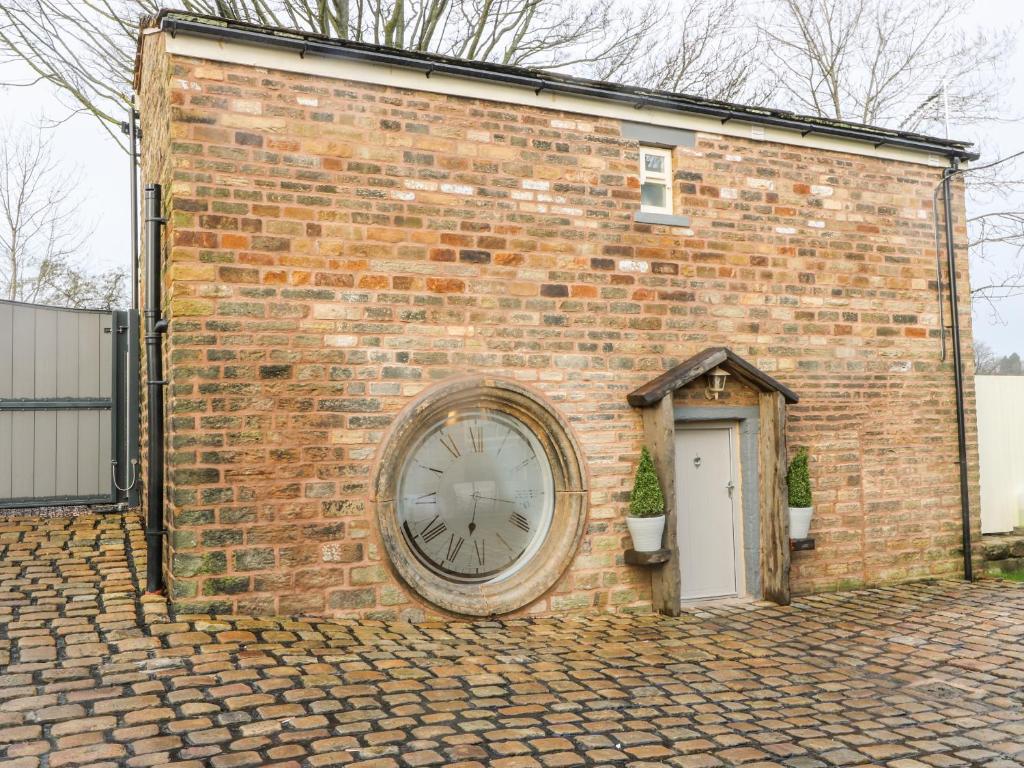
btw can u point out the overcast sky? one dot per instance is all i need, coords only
(82, 144)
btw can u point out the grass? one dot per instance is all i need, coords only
(1011, 576)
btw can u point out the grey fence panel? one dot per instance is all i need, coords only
(67, 453)
(6, 457)
(64, 423)
(6, 353)
(23, 447)
(45, 379)
(89, 342)
(23, 366)
(88, 443)
(44, 463)
(67, 354)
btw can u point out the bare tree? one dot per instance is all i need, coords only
(996, 229)
(41, 235)
(997, 241)
(899, 64)
(908, 65)
(86, 48)
(707, 49)
(986, 362)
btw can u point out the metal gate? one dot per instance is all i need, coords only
(68, 406)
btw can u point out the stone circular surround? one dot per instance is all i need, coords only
(558, 548)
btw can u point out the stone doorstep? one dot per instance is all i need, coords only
(1003, 546)
(1009, 565)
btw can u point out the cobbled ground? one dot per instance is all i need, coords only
(90, 674)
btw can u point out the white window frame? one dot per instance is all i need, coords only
(665, 179)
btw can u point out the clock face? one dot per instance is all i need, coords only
(475, 496)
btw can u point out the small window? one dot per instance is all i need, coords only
(655, 180)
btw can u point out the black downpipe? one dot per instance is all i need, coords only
(958, 372)
(155, 327)
(133, 151)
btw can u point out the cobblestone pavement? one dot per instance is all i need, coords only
(922, 675)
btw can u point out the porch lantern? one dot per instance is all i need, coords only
(716, 383)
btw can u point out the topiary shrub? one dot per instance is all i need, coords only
(646, 499)
(798, 478)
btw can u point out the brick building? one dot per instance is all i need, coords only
(366, 248)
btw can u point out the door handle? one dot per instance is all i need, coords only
(729, 487)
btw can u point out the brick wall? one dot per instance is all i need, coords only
(335, 248)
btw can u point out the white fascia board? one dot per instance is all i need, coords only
(267, 57)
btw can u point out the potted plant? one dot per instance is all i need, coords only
(646, 520)
(800, 509)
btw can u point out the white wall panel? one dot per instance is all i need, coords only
(1001, 450)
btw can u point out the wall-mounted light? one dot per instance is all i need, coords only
(716, 383)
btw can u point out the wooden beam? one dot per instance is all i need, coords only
(774, 500)
(676, 377)
(660, 438)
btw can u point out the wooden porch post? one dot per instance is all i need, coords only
(774, 501)
(660, 436)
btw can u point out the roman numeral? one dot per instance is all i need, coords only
(454, 547)
(449, 442)
(476, 435)
(524, 462)
(503, 442)
(429, 498)
(481, 550)
(520, 522)
(431, 469)
(434, 529)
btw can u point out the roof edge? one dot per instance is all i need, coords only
(173, 22)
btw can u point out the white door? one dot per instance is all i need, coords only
(706, 513)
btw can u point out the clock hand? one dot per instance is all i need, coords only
(472, 522)
(491, 498)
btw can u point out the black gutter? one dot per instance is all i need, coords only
(305, 43)
(958, 372)
(155, 327)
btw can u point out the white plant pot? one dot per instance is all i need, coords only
(646, 532)
(800, 522)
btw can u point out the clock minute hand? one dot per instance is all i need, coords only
(491, 498)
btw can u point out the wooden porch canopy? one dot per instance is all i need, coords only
(698, 365)
(655, 400)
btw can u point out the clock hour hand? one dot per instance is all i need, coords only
(472, 522)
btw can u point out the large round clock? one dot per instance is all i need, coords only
(480, 496)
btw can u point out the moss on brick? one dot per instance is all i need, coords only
(275, 371)
(187, 564)
(226, 585)
(222, 537)
(254, 559)
(346, 599)
(203, 606)
(183, 539)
